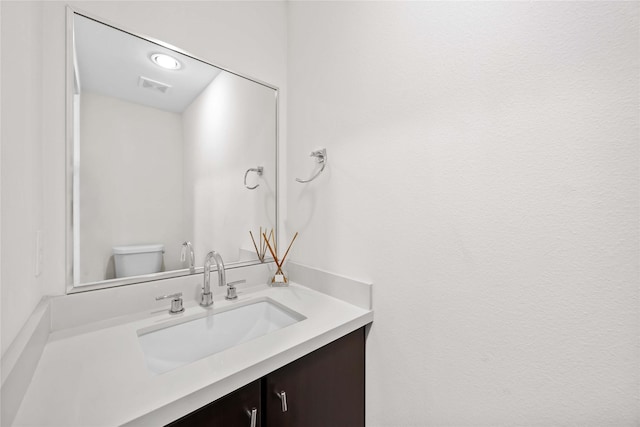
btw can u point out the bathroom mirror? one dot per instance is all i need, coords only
(163, 148)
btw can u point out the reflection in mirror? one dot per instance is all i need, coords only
(161, 146)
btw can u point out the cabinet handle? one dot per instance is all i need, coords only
(283, 399)
(253, 414)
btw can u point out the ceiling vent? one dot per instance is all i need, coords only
(153, 85)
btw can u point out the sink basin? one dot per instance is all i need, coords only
(178, 345)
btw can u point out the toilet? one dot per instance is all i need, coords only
(137, 260)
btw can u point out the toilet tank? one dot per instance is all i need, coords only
(137, 260)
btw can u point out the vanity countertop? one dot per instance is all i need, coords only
(95, 374)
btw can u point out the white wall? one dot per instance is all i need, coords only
(483, 174)
(247, 36)
(22, 159)
(130, 182)
(228, 129)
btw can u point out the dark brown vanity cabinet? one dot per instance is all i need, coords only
(325, 388)
(241, 408)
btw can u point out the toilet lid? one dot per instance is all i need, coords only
(137, 249)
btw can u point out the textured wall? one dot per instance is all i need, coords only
(483, 173)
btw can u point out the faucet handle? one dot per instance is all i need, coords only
(237, 282)
(176, 302)
(231, 289)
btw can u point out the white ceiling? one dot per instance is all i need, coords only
(111, 62)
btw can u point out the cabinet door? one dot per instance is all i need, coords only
(232, 410)
(322, 389)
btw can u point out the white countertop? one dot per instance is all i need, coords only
(95, 374)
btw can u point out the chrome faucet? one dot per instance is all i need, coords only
(206, 300)
(186, 246)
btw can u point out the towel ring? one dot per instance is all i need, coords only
(257, 170)
(321, 158)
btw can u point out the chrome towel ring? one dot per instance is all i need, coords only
(257, 170)
(321, 158)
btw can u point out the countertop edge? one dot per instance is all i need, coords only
(189, 403)
(21, 359)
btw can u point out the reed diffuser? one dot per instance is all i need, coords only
(279, 277)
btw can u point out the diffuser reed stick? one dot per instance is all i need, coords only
(273, 254)
(262, 251)
(290, 244)
(273, 238)
(256, 246)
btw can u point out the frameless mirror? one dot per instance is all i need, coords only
(163, 148)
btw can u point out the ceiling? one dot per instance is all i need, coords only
(111, 62)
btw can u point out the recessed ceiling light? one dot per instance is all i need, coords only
(166, 61)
